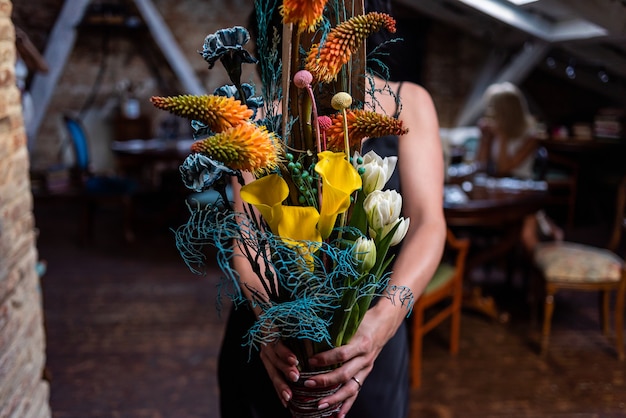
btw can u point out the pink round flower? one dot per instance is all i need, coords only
(302, 79)
(325, 123)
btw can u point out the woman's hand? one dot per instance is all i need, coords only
(281, 364)
(356, 359)
(486, 126)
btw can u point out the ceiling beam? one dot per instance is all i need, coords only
(593, 42)
(581, 38)
(515, 72)
(534, 24)
(58, 49)
(489, 72)
(608, 14)
(171, 50)
(453, 13)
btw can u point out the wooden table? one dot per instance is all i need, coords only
(153, 148)
(490, 210)
(493, 202)
(146, 158)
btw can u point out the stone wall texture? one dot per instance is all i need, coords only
(23, 392)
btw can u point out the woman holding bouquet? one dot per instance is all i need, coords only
(373, 371)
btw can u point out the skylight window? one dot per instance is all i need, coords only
(521, 2)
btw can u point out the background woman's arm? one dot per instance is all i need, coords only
(509, 162)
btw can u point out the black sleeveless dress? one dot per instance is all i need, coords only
(246, 390)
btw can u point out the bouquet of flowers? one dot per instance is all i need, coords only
(315, 225)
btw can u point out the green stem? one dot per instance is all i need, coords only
(316, 124)
(307, 108)
(341, 318)
(346, 141)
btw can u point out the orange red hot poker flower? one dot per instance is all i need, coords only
(217, 112)
(245, 147)
(307, 14)
(361, 124)
(325, 62)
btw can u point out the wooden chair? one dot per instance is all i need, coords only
(573, 266)
(95, 190)
(561, 175)
(445, 288)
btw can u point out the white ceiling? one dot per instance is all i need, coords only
(587, 35)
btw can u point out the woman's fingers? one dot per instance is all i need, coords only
(350, 375)
(286, 361)
(281, 364)
(281, 358)
(356, 359)
(346, 394)
(358, 347)
(345, 407)
(280, 385)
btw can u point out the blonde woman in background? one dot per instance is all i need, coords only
(507, 146)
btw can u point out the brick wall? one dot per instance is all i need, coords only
(23, 393)
(451, 67)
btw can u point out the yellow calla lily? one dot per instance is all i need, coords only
(292, 223)
(298, 228)
(339, 180)
(267, 195)
(299, 223)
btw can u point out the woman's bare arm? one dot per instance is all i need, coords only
(421, 171)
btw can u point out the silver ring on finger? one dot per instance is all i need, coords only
(358, 382)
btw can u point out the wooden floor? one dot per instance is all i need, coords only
(131, 333)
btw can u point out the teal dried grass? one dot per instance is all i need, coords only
(305, 290)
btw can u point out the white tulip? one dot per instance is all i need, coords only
(364, 252)
(400, 233)
(377, 170)
(382, 208)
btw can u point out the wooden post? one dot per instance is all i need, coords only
(351, 79)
